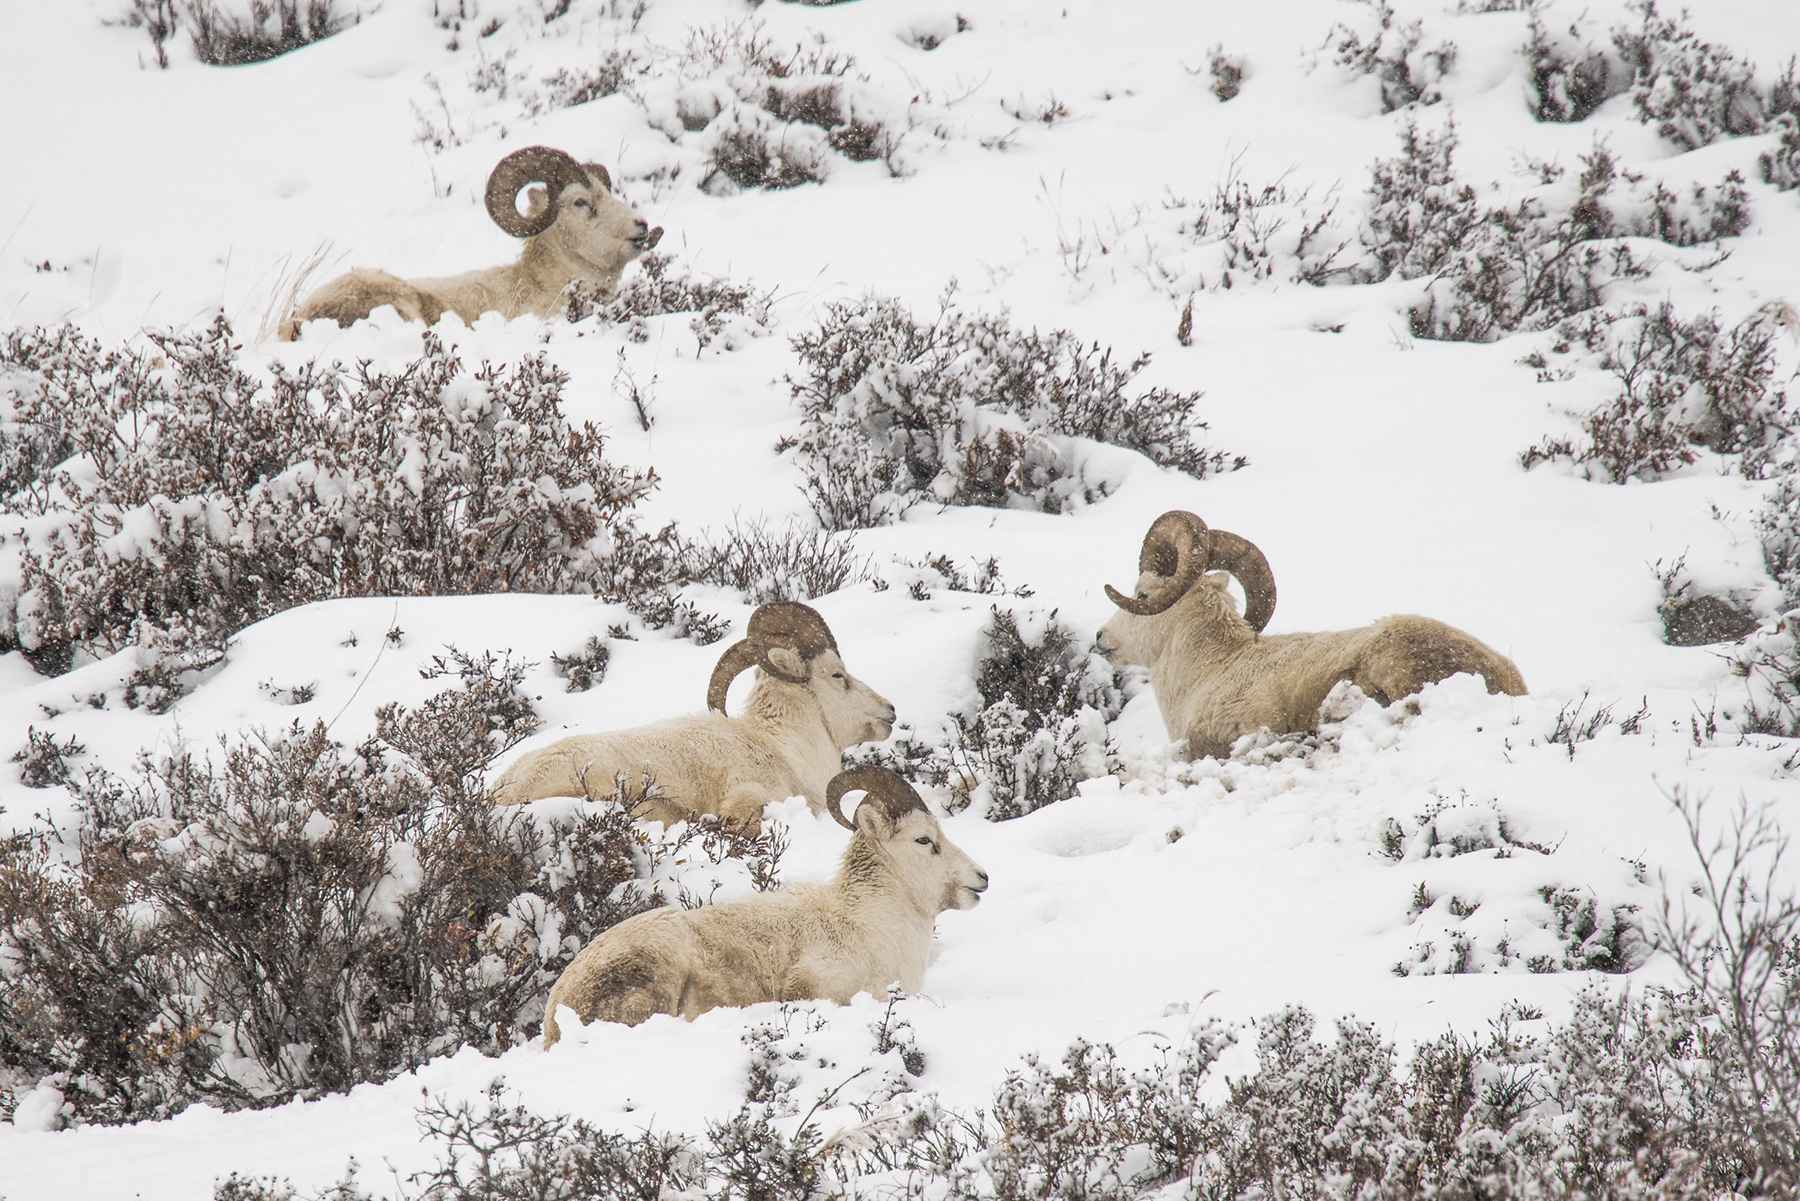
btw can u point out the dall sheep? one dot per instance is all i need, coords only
(575, 231)
(866, 928)
(805, 709)
(1217, 677)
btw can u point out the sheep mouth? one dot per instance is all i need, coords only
(649, 239)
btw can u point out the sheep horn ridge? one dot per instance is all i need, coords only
(893, 795)
(1181, 547)
(778, 623)
(534, 164)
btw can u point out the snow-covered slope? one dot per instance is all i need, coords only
(1050, 157)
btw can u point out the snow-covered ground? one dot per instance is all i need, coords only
(1383, 477)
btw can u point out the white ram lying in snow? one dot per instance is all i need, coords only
(1217, 677)
(866, 928)
(803, 712)
(575, 231)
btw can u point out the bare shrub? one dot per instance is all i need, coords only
(299, 916)
(43, 762)
(583, 669)
(156, 18)
(195, 497)
(1682, 384)
(1040, 731)
(1736, 939)
(271, 28)
(967, 410)
(1408, 76)
(795, 561)
(569, 87)
(1261, 232)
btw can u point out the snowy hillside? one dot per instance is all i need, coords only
(1372, 335)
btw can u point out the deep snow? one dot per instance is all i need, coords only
(1383, 478)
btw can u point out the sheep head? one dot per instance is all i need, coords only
(1178, 552)
(912, 843)
(792, 643)
(569, 206)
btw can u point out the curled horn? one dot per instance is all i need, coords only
(894, 795)
(1242, 559)
(1175, 547)
(534, 164)
(778, 623)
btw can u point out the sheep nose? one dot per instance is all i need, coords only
(643, 226)
(892, 713)
(984, 881)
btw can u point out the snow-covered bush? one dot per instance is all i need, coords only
(1778, 528)
(192, 497)
(1634, 1097)
(1420, 216)
(1769, 660)
(1570, 78)
(724, 312)
(1550, 255)
(1682, 384)
(967, 410)
(982, 577)
(1227, 71)
(770, 116)
(1040, 731)
(752, 149)
(300, 916)
(1781, 166)
(1408, 75)
(1693, 92)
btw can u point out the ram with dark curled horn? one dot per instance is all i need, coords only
(864, 929)
(803, 712)
(576, 232)
(1217, 676)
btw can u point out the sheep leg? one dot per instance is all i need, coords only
(743, 804)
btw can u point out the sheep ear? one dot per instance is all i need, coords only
(873, 820)
(1219, 579)
(787, 660)
(537, 199)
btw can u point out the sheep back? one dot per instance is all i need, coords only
(791, 945)
(355, 294)
(695, 762)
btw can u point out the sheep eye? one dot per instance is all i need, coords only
(926, 842)
(581, 204)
